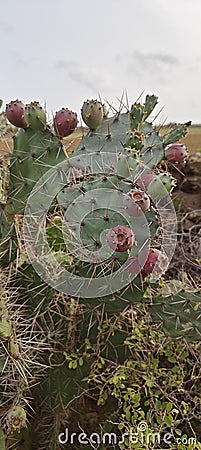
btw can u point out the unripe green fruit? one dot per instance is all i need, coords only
(92, 113)
(35, 116)
(16, 418)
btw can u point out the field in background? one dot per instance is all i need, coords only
(192, 140)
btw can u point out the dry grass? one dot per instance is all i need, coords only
(193, 139)
(6, 146)
(70, 143)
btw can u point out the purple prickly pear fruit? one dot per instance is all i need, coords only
(15, 113)
(92, 113)
(144, 180)
(135, 202)
(176, 153)
(65, 122)
(147, 261)
(153, 256)
(120, 238)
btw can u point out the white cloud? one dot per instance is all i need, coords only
(6, 27)
(158, 43)
(143, 65)
(90, 77)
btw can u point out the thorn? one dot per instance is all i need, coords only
(108, 135)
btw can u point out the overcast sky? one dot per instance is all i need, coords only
(63, 52)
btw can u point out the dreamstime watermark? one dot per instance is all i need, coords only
(140, 435)
(80, 205)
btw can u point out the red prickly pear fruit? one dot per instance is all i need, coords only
(15, 113)
(176, 153)
(136, 202)
(153, 256)
(120, 238)
(144, 180)
(147, 261)
(92, 113)
(65, 122)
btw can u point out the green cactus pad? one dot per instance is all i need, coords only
(176, 132)
(136, 116)
(34, 153)
(179, 316)
(150, 103)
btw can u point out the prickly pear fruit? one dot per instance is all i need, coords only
(153, 184)
(16, 418)
(35, 116)
(155, 260)
(176, 153)
(92, 113)
(147, 261)
(135, 202)
(15, 113)
(144, 180)
(65, 122)
(120, 238)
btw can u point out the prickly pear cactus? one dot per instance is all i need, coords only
(36, 149)
(88, 236)
(177, 312)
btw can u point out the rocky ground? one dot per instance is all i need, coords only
(187, 199)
